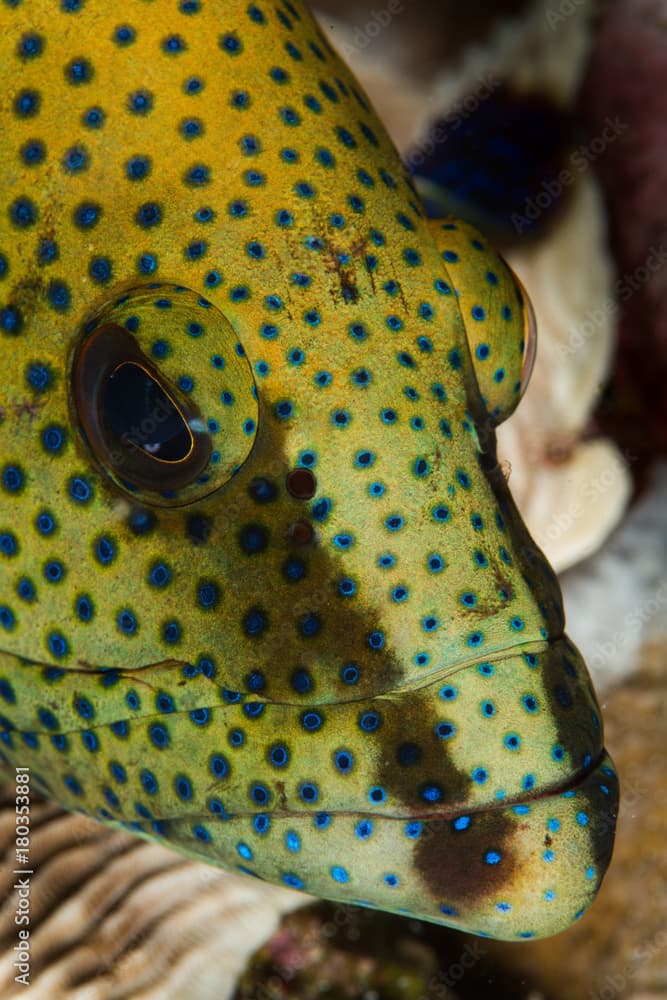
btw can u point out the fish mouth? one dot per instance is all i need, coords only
(571, 784)
(486, 852)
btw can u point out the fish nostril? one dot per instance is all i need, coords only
(301, 533)
(301, 484)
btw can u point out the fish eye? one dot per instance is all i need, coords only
(165, 395)
(502, 338)
(503, 357)
(529, 334)
(497, 315)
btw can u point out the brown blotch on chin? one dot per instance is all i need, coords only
(452, 863)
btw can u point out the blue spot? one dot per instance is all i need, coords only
(93, 118)
(27, 103)
(58, 294)
(7, 619)
(278, 755)
(344, 761)
(105, 551)
(75, 160)
(140, 102)
(147, 263)
(30, 45)
(219, 766)
(124, 35)
(100, 270)
(148, 215)
(87, 215)
(230, 44)
(78, 72)
(58, 644)
(311, 721)
(364, 829)
(159, 735)
(72, 785)
(183, 788)
(11, 320)
(350, 674)
(53, 571)
(308, 792)
(431, 793)
(370, 721)
(25, 588)
(149, 782)
(33, 152)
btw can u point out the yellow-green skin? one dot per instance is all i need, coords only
(415, 732)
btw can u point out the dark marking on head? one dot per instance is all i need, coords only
(421, 773)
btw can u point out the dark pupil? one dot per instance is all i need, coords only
(138, 412)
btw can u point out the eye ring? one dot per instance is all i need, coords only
(529, 332)
(165, 394)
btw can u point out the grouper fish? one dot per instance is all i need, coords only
(265, 597)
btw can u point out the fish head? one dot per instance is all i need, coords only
(263, 582)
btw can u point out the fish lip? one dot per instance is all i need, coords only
(558, 788)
